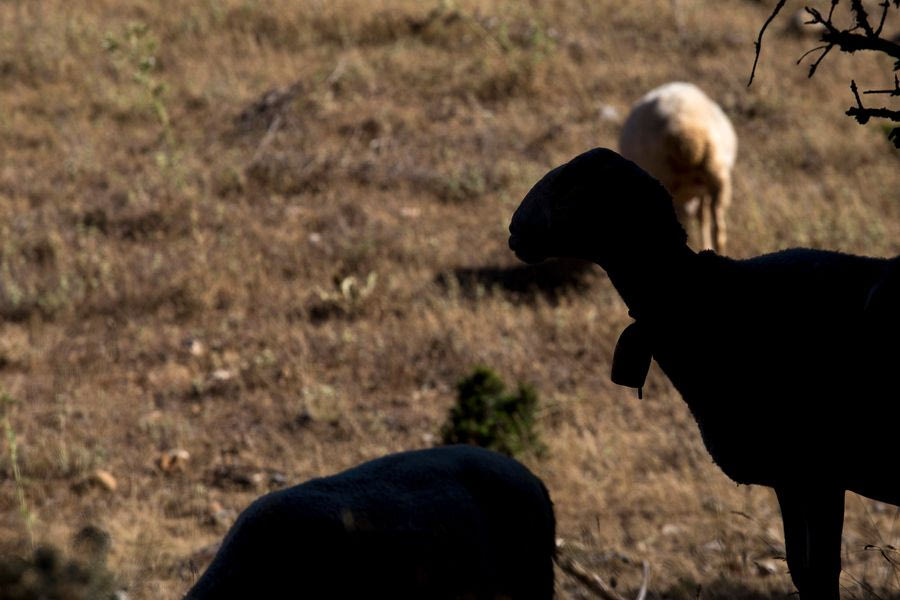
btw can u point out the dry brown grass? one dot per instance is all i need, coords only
(291, 287)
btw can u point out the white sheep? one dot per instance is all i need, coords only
(449, 522)
(681, 137)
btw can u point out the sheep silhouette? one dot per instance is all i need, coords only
(779, 357)
(448, 522)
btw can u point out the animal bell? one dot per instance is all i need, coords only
(631, 359)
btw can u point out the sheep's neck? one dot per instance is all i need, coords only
(651, 285)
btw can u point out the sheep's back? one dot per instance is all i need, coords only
(439, 523)
(770, 356)
(677, 129)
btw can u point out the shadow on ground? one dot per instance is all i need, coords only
(735, 590)
(551, 278)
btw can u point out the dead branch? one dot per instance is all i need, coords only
(863, 114)
(594, 582)
(758, 42)
(645, 580)
(589, 579)
(861, 35)
(862, 17)
(893, 92)
(850, 42)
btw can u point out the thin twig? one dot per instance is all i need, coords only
(594, 582)
(815, 65)
(267, 138)
(810, 51)
(834, 4)
(855, 91)
(826, 48)
(885, 6)
(589, 579)
(862, 17)
(893, 92)
(758, 42)
(645, 580)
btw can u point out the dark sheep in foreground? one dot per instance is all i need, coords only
(779, 357)
(449, 522)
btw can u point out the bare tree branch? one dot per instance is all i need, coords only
(863, 115)
(851, 42)
(589, 579)
(860, 35)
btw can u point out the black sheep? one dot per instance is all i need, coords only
(781, 358)
(450, 522)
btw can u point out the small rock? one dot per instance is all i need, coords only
(670, 529)
(195, 346)
(173, 460)
(766, 567)
(714, 546)
(775, 534)
(170, 377)
(711, 504)
(220, 515)
(222, 375)
(277, 479)
(104, 480)
(239, 476)
(220, 381)
(609, 113)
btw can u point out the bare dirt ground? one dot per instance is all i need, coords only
(247, 243)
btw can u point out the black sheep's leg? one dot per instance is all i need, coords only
(826, 520)
(796, 541)
(813, 520)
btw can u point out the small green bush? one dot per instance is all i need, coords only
(486, 415)
(47, 574)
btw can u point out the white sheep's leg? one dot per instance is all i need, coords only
(721, 199)
(706, 222)
(813, 520)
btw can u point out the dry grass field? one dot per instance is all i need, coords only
(246, 243)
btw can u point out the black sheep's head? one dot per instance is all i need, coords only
(598, 206)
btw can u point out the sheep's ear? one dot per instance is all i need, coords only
(631, 359)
